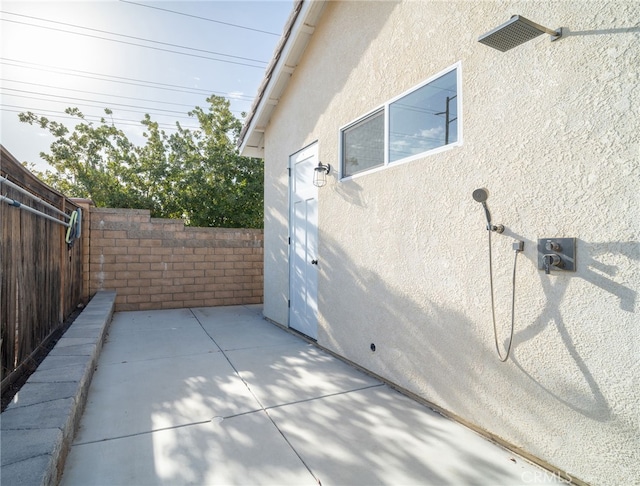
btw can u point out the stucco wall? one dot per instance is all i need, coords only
(551, 129)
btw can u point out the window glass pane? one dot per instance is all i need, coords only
(363, 145)
(425, 119)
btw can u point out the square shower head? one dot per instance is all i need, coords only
(517, 30)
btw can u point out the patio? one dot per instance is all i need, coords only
(218, 395)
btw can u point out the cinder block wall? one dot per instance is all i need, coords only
(161, 264)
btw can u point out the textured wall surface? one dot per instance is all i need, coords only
(159, 264)
(552, 130)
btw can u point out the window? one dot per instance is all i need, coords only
(425, 119)
(363, 145)
(417, 122)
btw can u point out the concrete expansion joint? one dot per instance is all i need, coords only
(322, 397)
(265, 409)
(214, 420)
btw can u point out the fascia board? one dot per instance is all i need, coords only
(286, 60)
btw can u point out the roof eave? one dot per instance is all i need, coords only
(297, 34)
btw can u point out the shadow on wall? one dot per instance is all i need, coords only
(566, 32)
(417, 346)
(594, 269)
(276, 222)
(427, 347)
(595, 404)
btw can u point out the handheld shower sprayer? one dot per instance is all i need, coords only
(481, 195)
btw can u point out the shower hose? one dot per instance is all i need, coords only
(493, 307)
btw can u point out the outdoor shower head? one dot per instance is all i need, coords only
(481, 195)
(517, 30)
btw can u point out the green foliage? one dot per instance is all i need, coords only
(196, 175)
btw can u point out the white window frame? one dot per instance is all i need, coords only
(458, 68)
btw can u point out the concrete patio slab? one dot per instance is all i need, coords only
(146, 395)
(274, 410)
(152, 320)
(291, 373)
(378, 436)
(227, 313)
(155, 336)
(247, 332)
(246, 449)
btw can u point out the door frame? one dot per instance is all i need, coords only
(314, 153)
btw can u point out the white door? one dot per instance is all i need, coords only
(303, 249)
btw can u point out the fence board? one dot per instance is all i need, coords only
(41, 277)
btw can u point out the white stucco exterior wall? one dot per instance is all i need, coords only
(552, 130)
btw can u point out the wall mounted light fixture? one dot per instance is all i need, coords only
(320, 174)
(517, 30)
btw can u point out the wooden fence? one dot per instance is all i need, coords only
(41, 275)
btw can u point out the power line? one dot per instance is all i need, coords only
(126, 36)
(122, 106)
(201, 18)
(93, 92)
(102, 107)
(82, 99)
(116, 79)
(226, 95)
(134, 44)
(57, 114)
(180, 114)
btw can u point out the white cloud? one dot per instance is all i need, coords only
(432, 132)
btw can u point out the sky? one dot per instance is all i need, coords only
(131, 56)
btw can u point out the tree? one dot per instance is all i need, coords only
(197, 175)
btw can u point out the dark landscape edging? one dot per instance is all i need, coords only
(39, 424)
